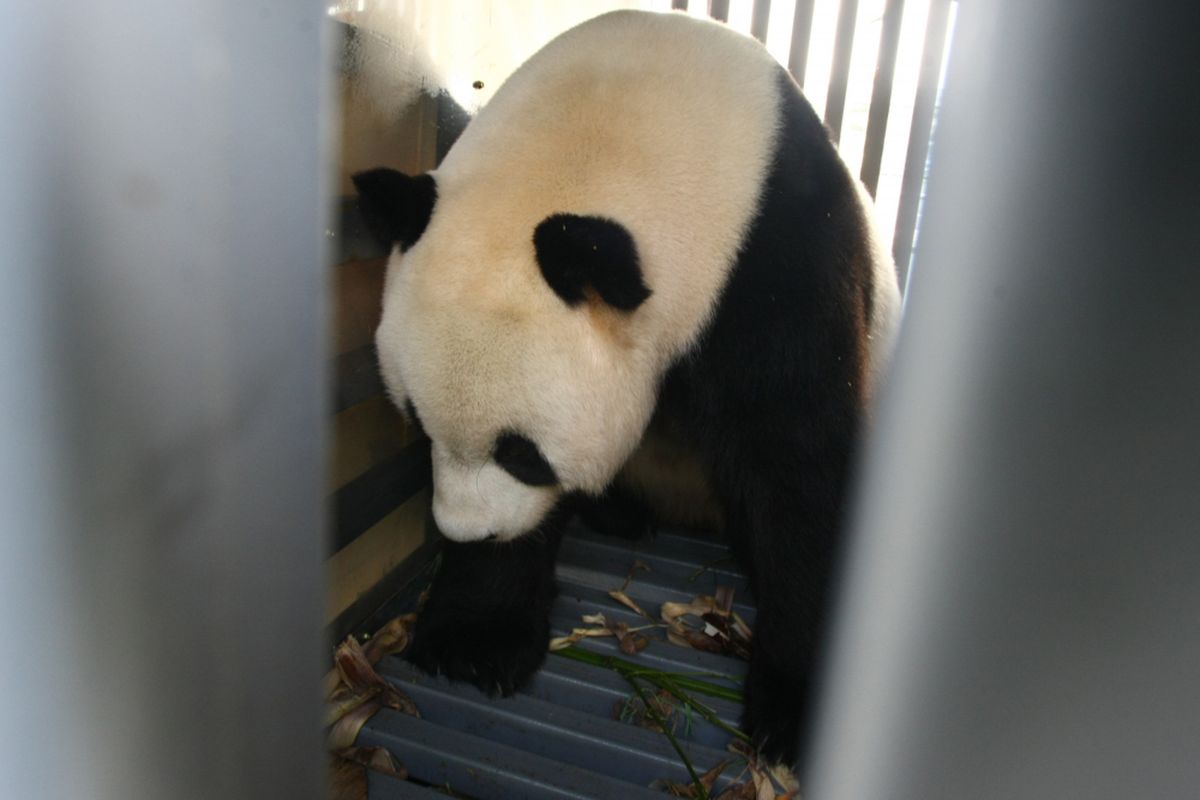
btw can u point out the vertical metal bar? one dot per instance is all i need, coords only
(881, 94)
(759, 19)
(161, 411)
(719, 10)
(40, 616)
(1020, 618)
(919, 136)
(801, 33)
(679, 5)
(839, 76)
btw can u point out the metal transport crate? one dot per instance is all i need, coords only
(559, 736)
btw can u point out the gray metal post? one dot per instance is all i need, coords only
(161, 399)
(1022, 619)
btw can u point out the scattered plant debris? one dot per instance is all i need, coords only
(347, 779)
(629, 640)
(721, 630)
(637, 566)
(391, 638)
(757, 780)
(702, 788)
(624, 599)
(354, 692)
(655, 709)
(652, 712)
(706, 623)
(348, 772)
(740, 791)
(633, 710)
(765, 782)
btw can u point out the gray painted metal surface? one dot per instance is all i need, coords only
(1023, 615)
(560, 736)
(385, 787)
(161, 408)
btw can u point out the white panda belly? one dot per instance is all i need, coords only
(668, 475)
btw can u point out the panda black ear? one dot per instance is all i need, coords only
(395, 207)
(580, 253)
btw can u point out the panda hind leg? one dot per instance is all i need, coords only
(487, 619)
(784, 517)
(778, 688)
(791, 549)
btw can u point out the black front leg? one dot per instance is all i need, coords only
(487, 618)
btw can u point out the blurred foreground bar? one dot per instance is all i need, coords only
(1020, 619)
(161, 405)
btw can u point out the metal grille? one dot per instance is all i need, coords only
(387, 486)
(559, 736)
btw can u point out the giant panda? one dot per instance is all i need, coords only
(643, 250)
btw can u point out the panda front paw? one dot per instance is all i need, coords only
(496, 652)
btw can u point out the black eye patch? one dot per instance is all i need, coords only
(521, 458)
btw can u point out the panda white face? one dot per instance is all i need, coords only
(522, 402)
(571, 246)
(485, 498)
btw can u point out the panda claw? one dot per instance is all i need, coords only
(495, 654)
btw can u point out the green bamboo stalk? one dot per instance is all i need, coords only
(700, 687)
(662, 723)
(700, 708)
(687, 676)
(629, 668)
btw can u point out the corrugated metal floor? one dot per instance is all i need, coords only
(558, 737)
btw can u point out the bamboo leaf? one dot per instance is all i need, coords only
(625, 600)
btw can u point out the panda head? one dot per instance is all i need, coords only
(506, 335)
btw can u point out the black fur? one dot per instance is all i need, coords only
(773, 397)
(522, 459)
(577, 253)
(395, 207)
(618, 512)
(487, 620)
(414, 421)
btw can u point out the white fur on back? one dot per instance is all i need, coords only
(661, 122)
